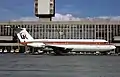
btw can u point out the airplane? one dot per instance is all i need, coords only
(60, 46)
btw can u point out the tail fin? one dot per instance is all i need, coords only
(23, 35)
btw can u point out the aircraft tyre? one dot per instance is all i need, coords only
(57, 52)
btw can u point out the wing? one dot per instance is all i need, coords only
(54, 47)
(59, 48)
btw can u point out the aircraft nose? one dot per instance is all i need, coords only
(112, 47)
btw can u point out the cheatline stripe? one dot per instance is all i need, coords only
(70, 43)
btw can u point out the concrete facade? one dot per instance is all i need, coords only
(44, 9)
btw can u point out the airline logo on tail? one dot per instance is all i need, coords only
(23, 35)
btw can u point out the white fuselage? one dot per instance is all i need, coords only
(88, 47)
(74, 46)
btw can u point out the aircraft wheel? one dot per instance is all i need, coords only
(58, 52)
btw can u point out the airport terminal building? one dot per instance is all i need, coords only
(85, 29)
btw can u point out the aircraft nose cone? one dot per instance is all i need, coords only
(112, 47)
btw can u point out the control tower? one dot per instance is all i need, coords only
(44, 9)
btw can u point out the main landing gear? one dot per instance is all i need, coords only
(61, 52)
